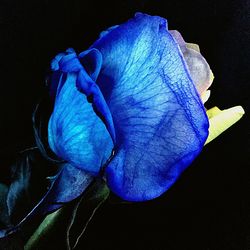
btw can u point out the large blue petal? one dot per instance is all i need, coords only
(160, 122)
(75, 131)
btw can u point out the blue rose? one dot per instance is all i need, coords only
(127, 110)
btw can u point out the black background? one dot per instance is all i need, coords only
(208, 208)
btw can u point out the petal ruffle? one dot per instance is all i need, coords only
(160, 122)
(75, 132)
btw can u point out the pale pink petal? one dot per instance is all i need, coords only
(197, 65)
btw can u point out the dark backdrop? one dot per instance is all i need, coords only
(208, 208)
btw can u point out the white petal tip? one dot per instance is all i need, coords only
(238, 109)
(205, 96)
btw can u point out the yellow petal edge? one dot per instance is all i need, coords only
(221, 120)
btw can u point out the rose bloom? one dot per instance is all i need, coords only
(130, 110)
(131, 107)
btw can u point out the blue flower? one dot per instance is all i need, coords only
(127, 107)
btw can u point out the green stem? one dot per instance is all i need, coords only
(40, 233)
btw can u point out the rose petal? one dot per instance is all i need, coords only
(75, 132)
(205, 96)
(193, 46)
(197, 65)
(159, 119)
(199, 70)
(221, 120)
(179, 39)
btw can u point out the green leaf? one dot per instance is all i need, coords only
(44, 228)
(70, 222)
(28, 183)
(4, 215)
(21, 188)
(84, 212)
